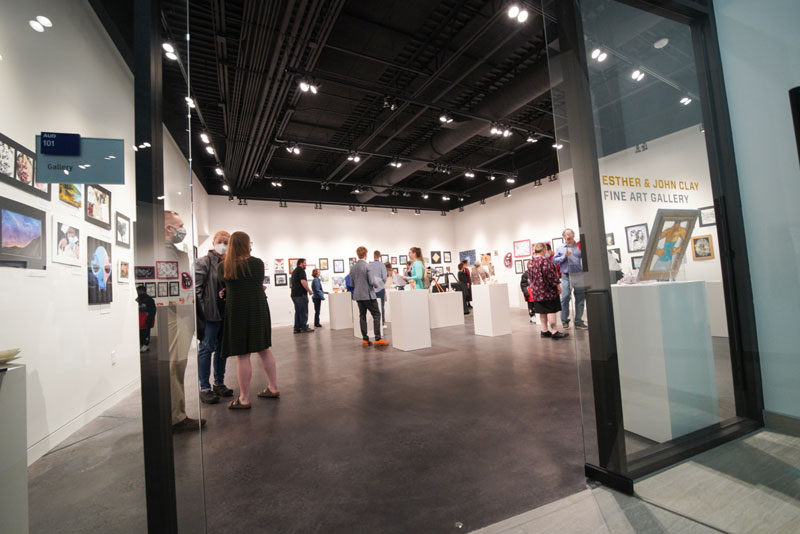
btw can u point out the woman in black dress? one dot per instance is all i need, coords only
(247, 328)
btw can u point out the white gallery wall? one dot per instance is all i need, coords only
(760, 48)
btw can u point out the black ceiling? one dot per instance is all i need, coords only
(426, 56)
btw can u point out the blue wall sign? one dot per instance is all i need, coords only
(61, 144)
(100, 161)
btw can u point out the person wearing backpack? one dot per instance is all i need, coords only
(417, 269)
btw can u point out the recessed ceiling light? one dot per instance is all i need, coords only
(44, 21)
(661, 43)
(36, 25)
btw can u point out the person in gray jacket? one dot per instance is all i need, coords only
(364, 285)
(378, 271)
(210, 309)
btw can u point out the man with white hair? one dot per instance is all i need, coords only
(568, 256)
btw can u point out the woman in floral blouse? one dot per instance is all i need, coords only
(546, 288)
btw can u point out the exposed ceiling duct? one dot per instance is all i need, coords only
(525, 88)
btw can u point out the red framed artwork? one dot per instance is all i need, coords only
(522, 249)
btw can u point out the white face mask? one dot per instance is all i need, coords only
(221, 248)
(72, 240)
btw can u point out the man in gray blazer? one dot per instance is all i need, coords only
(364, 285)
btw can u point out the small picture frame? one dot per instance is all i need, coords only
(66, 241)
(393, 260)
(617, 254)
(150, 289)
(323, 264)
(123, 225)
(610, 241)
(124, 272)
(293, 264)
(436, 257)
(522, 248)
(448, 257)
(402, 259)
(636, 237)
(702, 248)
(174, 289)
(384, 258)
(636, 262)
(518, 266)
(338, 266)
(352, 261)
(267, 280)
(97, 206)
(163, 289)
(144, 272)
(281, 279)
(166, 270)
(556, 242)
(708, 217)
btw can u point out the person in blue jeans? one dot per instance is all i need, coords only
(300, 293)
(568, 256)
(378, 271)
(211, 311)
(317, 296)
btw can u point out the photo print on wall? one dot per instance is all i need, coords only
(393, 260)
(338, 266)
(124, 231)
(174, 289)
(70, 194)
(97, 206)
(280, 266)
(163, 289)
(292, 264)
(556, 242)
(668, 244)
(384, 258)
(166, 269)
(124, 272)
(98, 254)
(267, 280)
(610, 242)
(518, 266)
(323, 264)
(144, 272)
(708, 216)
(522, 248)
(636, 262)
(67, 243)
(280, 279)
(702, 248)
(468, 255)
(18, 168)
(616, 253)
(150, 289)
(352, 261)
(23, 234)
(636, 237)
(447, 257)
(436, 257)
(402, 259)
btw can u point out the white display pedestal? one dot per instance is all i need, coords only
(340, 309)
(370, 322)
(491, 310)
(666, 362)
(446, 309)
(411, 323)
(13, 451)
(716, 309)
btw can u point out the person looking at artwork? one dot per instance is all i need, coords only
(568, 257)
(210, 312)
(464, 278)
(300, 294)
(318, 295)
(247, 326)
(527, 290)
(378, 271)
(147, 316)
(545, 289)
(417, 274)
(364, 285)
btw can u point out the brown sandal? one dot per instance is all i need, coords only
(268, 394)
(238, 405)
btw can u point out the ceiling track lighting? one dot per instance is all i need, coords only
(396, 163)
(204, 138)
(538, 183)
(218, 170)
(445, 118)
(307, 84)
(293, 148)
(276, 183)
(417, 211)
(532, 138)
(283, 204)
(425, 196)
(353, 156)
(351, 208)
(225, 187)
(518, 13)
(230, 198)
(511, 179)
(394, 211)
(637, 75)
(210, 150)
(445, 198)
(461, 209)
(553, 178)
(406, 194)
(492, 177)
(469, 173)
(599, 55)
(190, 102)
(317, 205)
(389, 103)
(507, 193)
(557, 145)
(686, 100)
(357, 190)
(483, 202)
(444, 213)
(364, 209)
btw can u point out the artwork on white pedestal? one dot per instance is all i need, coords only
(636, 237)
(668, 243)
(67, 242)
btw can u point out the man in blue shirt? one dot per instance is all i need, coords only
(568, 256)
(378, 271)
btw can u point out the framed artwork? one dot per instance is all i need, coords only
(163, 289)
(616, 253)
(518, 266)
(610, 240)
(384, 258)
(144, 272)
(522, 249)
(280, 279)
(70, 194)
(447, 257)
(98, 255)
(23, 234)
(338, 266)
(150, 289)
(393, 260)
(636, 262)
(323, 264)
(66, 243)
(18, 168)
(266, 280)
(337, 282)
(166, 270)
(556, 242)
(708, 216)
(436, 257)
(507, 260)
(468, 256)
(97, 206)
(174, 289)
(702, 248)
(402, 258)
(293, 264)
(438, 271)
(636, 237)
(668, 244)
(352, 261)
(124, 272)
(280, 266)
(124, 232)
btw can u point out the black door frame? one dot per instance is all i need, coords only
(616, 468)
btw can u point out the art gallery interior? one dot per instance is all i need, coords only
(473, 130)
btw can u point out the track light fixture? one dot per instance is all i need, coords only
(307, 84)
(218, 170)
(396, 163)
(357, 190)
(507, 193)
(292, 148)
(511, 179)
(225, 187)
(532, 138)
(686, 100)
(389, 103)
(425, 196)
(495, 129)
(363, 209)
(406, 194)
(276, 183)
(445, 198)
(353, 156)
(317, 205)
(483, 202)
(417, 211)
(516, 12)
(210, 150)
(351, 208)
(492, 177)
(394, 211)
(461, 199)
(445, 118)
(444, 213)
(553, 178)
(506, 131)
(537, 183)
(282, 204)
(599, 55)
(461, 209)
(189, 102)
(469, 174)
(230, 198)
(204, 138)
(637, 75)
(557, 145)
(169, 51)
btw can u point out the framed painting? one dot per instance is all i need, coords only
(293, 264)
(99, 263)
(702, 248)
(123, 225)
(71, 194)
(267, 280)
(166, 270)
(708, 216)
(436, 257)
(636, 237)
(616, 253)
(150, 289)
(174, 289)
(352, 261)
(447, 257)
(281, 279)
(338, 266)
(144, 272)
(393, 260)
(124, 272)
(610, 242)
(66, 242)
(23, 235)
(667, 244)
(163, 289)
(384, 258)
(280, 266)
(468, 255)
(556, 242)
(18, 168)
(522, 249)
(518, 266)
(402, 258)
(323, 264)
(97, 206)
(636, 262)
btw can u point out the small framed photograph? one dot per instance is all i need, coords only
(266, 280)
(610, 242)
(402, 259)
(448, 258)
(518, 266)
(97, 206)
(163, 289)
(144, 272)
(23, 235)
(522, 249)
(353, 261)
(338, 266)
(18, 168)
(393, 260)
(67, 242)
(293, 264)
(174, 289)
(616, 253)
(150, 288)
(556, 242)
(636, 237)
(280, 279)
(124, 272)
(708, 216)
(71, 194)
(280, 266)
(384, 258)
(323, 264)
(636, 262)
(702, 248)
(123, 230)
(166, 270)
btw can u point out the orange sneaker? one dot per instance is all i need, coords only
(381, 343)
(366, 343)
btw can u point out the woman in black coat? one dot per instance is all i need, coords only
(524, 283)
(464, 278)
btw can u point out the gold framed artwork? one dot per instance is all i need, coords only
(702, 247)
(667, 244)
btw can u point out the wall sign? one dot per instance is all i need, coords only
(99, 161)
(61, 144)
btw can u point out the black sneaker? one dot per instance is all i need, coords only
(207, 396)
(317, 326)
(559, 335)
(546, 334)
(565, 326)
(223, 391)
(188, 425)
(581, 326)
(304, 330)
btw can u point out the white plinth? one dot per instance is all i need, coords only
(13, 451)
(491, 310)
(411, 321)
(370, 322)
(716, 309)
(446, 309)
(340, 309)
(666, 362)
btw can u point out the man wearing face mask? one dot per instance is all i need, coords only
(180, 322)
(211, 312)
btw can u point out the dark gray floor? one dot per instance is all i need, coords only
(474, 430)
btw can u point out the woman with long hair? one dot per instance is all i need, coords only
(247, 327)
(417, 267)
